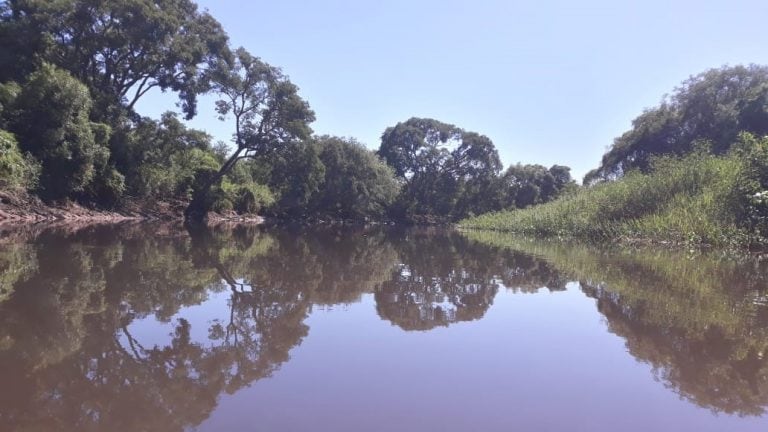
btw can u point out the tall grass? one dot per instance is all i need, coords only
(698, 199)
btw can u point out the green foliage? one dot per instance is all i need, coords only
(445, 170)
(119, 48)
(8, 93)
(269, 116)
(107, 187)
(17, 171)
(266, 106)
(51, 120)
(753, 184)
(697, 199)
(357, 184)
(242, 197)
(202, 167)
(714, 106)
(84, 64)
(160, 158)
(294, 173)
(526, 185)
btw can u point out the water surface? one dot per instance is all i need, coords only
(156, 328)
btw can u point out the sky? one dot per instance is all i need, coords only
(550, 82)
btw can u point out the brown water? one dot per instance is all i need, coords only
(145, 328)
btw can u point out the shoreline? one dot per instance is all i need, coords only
(496, 237)
(26, 209)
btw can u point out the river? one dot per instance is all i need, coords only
(148, 327)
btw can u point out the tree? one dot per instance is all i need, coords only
(477, 167)
(294, 174)
(712, 107)
(526, 185)
(436, 162)
(160, 158)
(357, 183)
(267, 111)
(417, 147)
(119, 48)
(51, 121)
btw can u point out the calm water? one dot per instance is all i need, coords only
(153, 328)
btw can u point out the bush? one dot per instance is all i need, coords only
(753, 185)
(244, 197)
(51, 121)
(17, 171)
(159, 158)
(108, 187)
(357, 184)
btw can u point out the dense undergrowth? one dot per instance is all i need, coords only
(697, 199)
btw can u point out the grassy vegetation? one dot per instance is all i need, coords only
(697, 199)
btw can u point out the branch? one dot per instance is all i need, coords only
(141, 91)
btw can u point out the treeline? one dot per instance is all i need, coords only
(72, 72)
(692, 170)
(449, 173)
(709, 110)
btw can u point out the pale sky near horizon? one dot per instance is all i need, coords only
(548, 81)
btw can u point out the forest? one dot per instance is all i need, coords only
(72, 71)
(693, 169)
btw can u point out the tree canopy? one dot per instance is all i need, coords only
(267, 110)
(708, 109)
(50, 117)
(439, 164)
(119, 49)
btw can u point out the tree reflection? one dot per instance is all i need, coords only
(700, 321)
(73, 361)
(443, 278)
(74, 302)
(69, 348)
(435, 285)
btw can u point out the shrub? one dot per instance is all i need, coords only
(51, 121)
(17, 171)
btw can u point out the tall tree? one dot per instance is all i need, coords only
(526, 185)
(267, 110)
(438, 163)
(120, 49)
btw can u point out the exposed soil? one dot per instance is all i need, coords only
(23, 208)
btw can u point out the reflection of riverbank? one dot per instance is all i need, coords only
(232, 303)
(24, 209)
(698, 317)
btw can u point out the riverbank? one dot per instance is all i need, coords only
(23, 208)
(697, 200)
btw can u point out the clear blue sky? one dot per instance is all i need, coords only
(548, 81)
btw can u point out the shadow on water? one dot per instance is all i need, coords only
(70, 301)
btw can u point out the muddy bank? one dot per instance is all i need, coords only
(17, 208)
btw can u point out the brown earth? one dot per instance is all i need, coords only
(24, 208)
